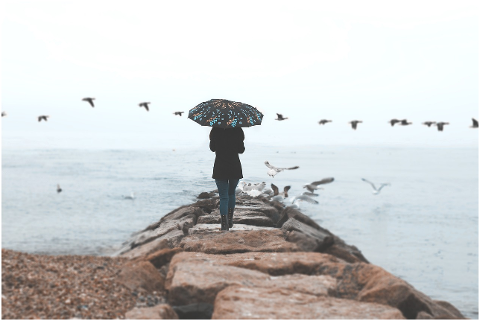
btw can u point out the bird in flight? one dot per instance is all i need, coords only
(474, 121)
(314, 185)
(440, 126)
(354, 123)
(178, 113)
(144, 105)
(297, 199)
(376, 191)
(280, 117)
(58, 188)
(324, 121)
(394, 121)
(428, 123)
(90, 101)
(276, 192)
(43, 117)
(275, 170)
(404, 122)
(4, 114)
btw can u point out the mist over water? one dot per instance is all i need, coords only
(422, 228)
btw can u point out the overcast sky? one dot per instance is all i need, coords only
(308, 60)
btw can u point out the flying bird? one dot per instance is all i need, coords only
(314, 185)
(428, 123)
(144, 105)
(354, 123)
(376, 191)
(58, 188)
(394, 121)
(178, 113)
(275, 170)
(302, 198)
(404, 122)
(276, 192)
(280, 117)
(474, 125)
(440, 126)
(90, 101)
(324, 121)
(43, 117)
(4, 114)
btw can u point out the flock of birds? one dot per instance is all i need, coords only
(274, 194)
(401, 122)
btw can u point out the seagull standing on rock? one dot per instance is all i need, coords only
(275, 170)
(376, 191)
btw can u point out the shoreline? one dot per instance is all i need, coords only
(183, 266)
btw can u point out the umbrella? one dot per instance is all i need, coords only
(225, 114)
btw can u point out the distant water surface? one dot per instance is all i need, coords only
(423, 228)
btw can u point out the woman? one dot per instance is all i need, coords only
(227, 170)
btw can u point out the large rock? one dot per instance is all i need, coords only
(162, 257)
(322, 239)
(161, 311)
(215, 228)
(194, 311)
(141, 275)
(238, 242)
(289, 212)
(169, 240)
(243, 217)
(239, 302)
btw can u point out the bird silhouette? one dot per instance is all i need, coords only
(314, 185)
(43, 117)
(4, 114)
(275, 170)
(376, 191)
(394, 121)
(440, 126)
(280, 117)
(144, 105)
(90, 101)
(324, 121)
(354, 123)
(428, 123)
(474, 121)
(404, 122)
(178, 113)
(58, 188)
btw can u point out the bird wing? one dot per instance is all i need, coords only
(305, 198)
(279, 115)
(367, 181)
(294, 167)
(382, 186)
(475, 122)
(90, 101)
(146, 107)
(286, 188)
(323, 181)
(270, 166)
(39, 118)
(275, 189)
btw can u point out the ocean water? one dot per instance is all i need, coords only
(422, 228)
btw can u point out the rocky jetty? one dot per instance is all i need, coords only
(275, 263)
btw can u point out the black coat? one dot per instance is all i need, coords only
(227, 144)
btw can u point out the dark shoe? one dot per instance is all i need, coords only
(224, 222)
(230, 217)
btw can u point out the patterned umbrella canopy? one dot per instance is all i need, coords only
(225, 114)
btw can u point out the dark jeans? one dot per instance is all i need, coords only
(226, 189)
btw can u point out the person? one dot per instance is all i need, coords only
(227, 170)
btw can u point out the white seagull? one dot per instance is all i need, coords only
(376, 191)
(314, 185)
(297, 199)
(275, 170)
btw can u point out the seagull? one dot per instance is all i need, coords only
(249, 187)
(429, 123)
(440, 126)
(297, 199)
(44, 117)
(144, 105)
(405, 122)
(474, 125)
(129, 197)
(274, 170)
(324, 121)
(375, 190)
(4, 113)
(178, 113)
(90, 100)
(354, 123)
(310, 193)
(58, 188)
(314, 185)
(394, 121)
(280, 117)
(283, 194)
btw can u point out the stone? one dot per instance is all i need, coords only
(304, 242)
(162, 257)
(289, 212)
(244, 217)
(215, 228)
(141, 275)
(240, 302)
(207, 205)
(161, 311)
(238, 241)
(323, 240)
(169, 240)
(205, 195)
(194, 311)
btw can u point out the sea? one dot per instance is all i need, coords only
(423, 227)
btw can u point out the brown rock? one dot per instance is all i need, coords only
(289, 212)
(244, 217)
(162, 257)
(323, 240)
(141, 275)
(215, 228)
(205, 195)
(238, 302)
(304, 242)
(169, 240)
(238, 242)
(161, 311)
